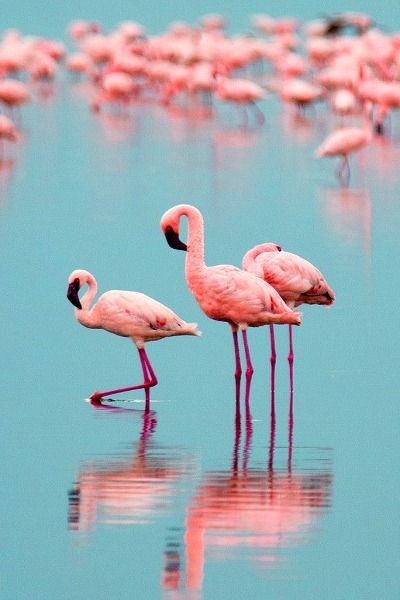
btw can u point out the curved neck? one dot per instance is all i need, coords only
(84, 315)
(90, 293)
(195, 241)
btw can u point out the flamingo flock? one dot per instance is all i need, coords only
(343, 63)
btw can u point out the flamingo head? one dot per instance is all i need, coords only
(76, 280)
(170, 228)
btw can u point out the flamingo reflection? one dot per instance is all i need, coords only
(252, 511)
(349, 214)
(128, 488)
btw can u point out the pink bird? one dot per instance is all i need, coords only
(295, 279)
(243, 93)
(128, 314)
(343, 142)
(8, 132)
(224, 292)
(13, 93)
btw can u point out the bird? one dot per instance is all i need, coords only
(128, 314)
(8, 132)
(243, 93)
(224, 292)
(343, 142)
(295, 279)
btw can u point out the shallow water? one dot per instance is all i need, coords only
(194, 500)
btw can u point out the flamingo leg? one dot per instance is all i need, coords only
(249, 370)
(260, 118)
(343, 171)
(148, 381)
(272, 357)
(291, 357)
(238, 366)
(291, 423)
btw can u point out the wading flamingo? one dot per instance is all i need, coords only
(295, 279)
(343, 142)
(128, 314)
(224, 292)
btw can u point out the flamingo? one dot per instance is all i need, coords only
(295, 279)
(224, 292)
(343, 142)
(241, 92)
(8, 132)
(128, 314)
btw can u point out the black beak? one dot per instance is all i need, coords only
(72, 293)
(173, 240)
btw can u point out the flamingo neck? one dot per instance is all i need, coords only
(85, 315)
(195, 243)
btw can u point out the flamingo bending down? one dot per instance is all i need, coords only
(343, 142)
(295, 279)
(241, 92)
(224, 292)
(128, 314)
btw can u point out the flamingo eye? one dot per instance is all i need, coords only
(279, 249)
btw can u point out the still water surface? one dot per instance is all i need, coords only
(195, 500)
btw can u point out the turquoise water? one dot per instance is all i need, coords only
(188, 502)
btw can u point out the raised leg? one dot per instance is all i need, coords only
(291, 357)
(149, 377)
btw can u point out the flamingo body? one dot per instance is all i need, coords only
(344, 141)
(295, 279)
(127, 314)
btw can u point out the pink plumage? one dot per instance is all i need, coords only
(295, 279)
(224, 292)
(128, 314)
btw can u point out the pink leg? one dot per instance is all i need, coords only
(272, 357)
(249, 370)
(291, 423)
(148, 383)
(343, 171)
(291, 357)
(238, 366)
(260, 118)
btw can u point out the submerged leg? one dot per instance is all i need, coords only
(149, 377)
(291, 357)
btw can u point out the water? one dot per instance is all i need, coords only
(190, 501)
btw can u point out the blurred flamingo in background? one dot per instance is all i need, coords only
(224, 292)
(342, 142)
(128, 314)
(8, 132)
(295, 279)
(243, 93)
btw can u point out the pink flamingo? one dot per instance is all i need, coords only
(343, 142)
(8, 132)
(128, 314)
(224, 292)
(241, 92)
(295, 279)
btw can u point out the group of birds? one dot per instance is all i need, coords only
(271, 284)
(356, 76)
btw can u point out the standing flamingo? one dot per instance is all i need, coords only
(128, 314)
(224, 292)
(295, 279)
(343, 142)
